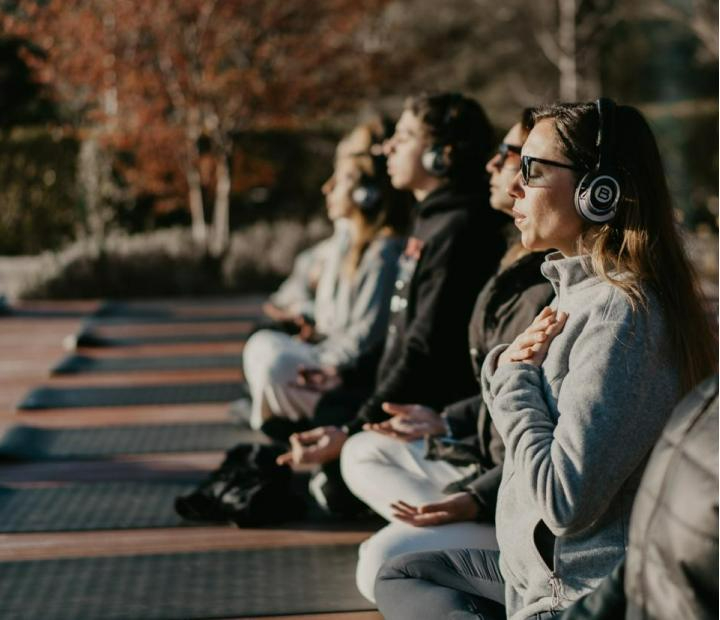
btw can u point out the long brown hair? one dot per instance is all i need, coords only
(391, 216)
(641, 245)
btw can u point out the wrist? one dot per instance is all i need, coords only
(447, 430)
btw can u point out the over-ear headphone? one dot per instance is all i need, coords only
(368, 194)
(598, 193)
(435, 161)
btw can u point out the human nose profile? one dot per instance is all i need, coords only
(388, 146)
(493, 163)
(515, 189)
(327, 187)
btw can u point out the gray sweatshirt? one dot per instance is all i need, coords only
(577, 433)
(353, 313)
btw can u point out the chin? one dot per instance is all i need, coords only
(399, 183)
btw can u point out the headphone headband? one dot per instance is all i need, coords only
(606, 131)
(598, 193)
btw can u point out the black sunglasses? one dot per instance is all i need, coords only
(526, 167)
(504, 149)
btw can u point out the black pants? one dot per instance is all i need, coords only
(459, 584)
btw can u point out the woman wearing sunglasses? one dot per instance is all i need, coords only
(441, 494)
(582, 394)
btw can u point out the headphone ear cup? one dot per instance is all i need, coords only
(435, 161)
(367, 197)
(597, 197)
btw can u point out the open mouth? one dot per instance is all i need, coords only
(518, 217)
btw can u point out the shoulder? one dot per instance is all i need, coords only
(382, 253)
(385, 248)
(635, 323)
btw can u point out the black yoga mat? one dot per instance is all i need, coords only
(119, 396)
(121, 309)
(93, 506)
(184, 586)
(89, 338)
(75, 364)
(169, 320)
(28, 443)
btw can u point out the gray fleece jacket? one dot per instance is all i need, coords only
(577, 433)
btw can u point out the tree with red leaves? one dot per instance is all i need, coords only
(162, 78)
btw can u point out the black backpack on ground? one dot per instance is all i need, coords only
(248, 489)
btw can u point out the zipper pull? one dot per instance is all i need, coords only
(556, 590)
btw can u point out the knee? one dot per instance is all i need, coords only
(389, 582)
(367, 446)
(373, 554)
(357, 451)
(282, 368)
(256, 349)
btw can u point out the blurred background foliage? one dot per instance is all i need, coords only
(207, 125)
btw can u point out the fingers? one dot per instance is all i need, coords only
(544, 313)
(404, 511)
(285, 459)
(308, 437)
(419, 517)
(387, 430)
(396, 408)
(557, 327)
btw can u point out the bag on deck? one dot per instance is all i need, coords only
(248, 489)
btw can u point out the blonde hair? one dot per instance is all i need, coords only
(363, 146)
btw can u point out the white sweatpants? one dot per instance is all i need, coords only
(381, 470)
(270, 363)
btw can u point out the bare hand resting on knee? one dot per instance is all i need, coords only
(453, 509)
(319, 445)
(408, 422)
(317, 379)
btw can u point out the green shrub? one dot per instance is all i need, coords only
(38, 202)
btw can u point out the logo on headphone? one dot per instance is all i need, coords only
(603, 194)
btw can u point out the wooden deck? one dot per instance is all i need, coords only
(30, 345)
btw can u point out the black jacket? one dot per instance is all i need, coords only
(454, 248)
(505, 307)
(671, 567)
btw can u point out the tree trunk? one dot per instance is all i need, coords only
(195, 199)
(90, 179)
(221, 213)
(567, 61)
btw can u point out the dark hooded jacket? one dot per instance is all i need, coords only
(507, 304)
(454, 248)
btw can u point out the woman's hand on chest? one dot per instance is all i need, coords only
(531, 346)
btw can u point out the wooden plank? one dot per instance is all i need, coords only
(43, 546)
(119, 416)
(349, 615)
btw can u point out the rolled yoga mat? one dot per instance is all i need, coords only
(184, 586)
(121, 396)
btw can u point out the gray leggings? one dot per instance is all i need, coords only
(459, 584)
